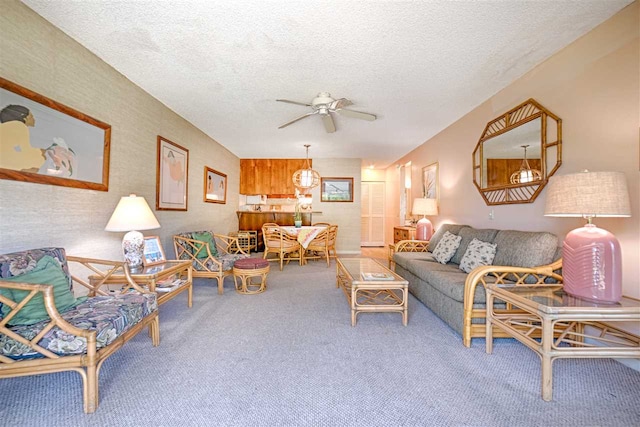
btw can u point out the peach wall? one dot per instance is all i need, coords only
(593, 86)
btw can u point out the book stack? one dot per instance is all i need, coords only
(378, 276)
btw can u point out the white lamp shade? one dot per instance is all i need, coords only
(132, 213)
(422, 206)
(588, 194)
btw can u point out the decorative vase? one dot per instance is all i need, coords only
(298, 223)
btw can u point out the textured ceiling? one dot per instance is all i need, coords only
(418, 65)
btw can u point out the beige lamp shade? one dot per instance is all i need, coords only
(588, 194)
(132, 213)
(591, 256)
(422, 206)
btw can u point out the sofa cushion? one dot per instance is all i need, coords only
(110, 316)
(46, 271)
(451, 228)
(446, 247)
(478, 253)
(524, 248)
(447, 279)
(470, 233)
(402, 258)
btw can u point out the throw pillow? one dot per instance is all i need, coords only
(478, 253)
(446, 247)
(206, 237)
(46, 272)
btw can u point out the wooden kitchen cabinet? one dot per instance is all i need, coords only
(269, 176)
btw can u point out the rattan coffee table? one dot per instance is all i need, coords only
(388, 293)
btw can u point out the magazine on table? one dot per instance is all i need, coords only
(378, 276)
(169, 285)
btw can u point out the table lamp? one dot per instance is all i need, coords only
(132, 213)
(422, 206)
(592, 263)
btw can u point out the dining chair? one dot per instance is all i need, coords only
(320, 224)
(279, 242)
(319, 246)
(333, 236)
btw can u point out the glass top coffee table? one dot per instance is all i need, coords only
(371, 287)
(557, 325)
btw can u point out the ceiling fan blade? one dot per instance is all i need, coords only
(340, 103)
(328, 123)
(296, 119)
(357, 114)
(294, 102)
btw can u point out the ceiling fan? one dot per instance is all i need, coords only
(324, 105)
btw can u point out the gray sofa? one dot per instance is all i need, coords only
(452, 294)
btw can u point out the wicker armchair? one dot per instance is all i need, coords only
(209, 260)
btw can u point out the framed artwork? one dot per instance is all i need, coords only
(336, 189)
(153, 253)
(430, 184)
(171, 176)
(215, 186)
(45, 142)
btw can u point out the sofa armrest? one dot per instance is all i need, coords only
(502, 274)
(55, 320)
(104, 269)
(412, 246)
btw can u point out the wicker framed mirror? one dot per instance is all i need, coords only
(517, 153)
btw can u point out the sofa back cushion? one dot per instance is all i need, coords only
(468, 234)
(524, 248)
(209, 240)
(451, 228)
(46, 271)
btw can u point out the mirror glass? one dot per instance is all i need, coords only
(516, 154)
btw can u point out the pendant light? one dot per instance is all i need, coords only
(525, 173)
(306, 178)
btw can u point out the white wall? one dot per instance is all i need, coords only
(593, 86)
(345, 214)
(36, 55)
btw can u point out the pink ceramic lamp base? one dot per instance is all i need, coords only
(424, 229)
(592, 265)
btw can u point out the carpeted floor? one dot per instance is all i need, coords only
(289, 356)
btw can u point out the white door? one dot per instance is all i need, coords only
(372, 217)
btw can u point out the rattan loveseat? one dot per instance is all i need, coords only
(77, 337)
(454, 295)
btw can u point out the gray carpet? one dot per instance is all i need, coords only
(289, 356)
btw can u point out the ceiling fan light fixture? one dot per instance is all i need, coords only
(306, 178)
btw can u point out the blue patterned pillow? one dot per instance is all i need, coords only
(446, 247)
(478, 253)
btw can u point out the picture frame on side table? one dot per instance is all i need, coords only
(430, 182)
(336, 189)
(45, 142)
(215, 186)
(172, 186)
(153, 252)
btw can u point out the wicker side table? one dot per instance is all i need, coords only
(247, 270)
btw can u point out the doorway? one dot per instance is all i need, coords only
(372, 213)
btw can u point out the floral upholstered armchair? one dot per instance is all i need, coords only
(212, 255)
(44, 328)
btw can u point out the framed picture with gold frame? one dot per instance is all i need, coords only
(215, 186)
(46, 142)
(430, 184)
(153, 252)
(172, 176)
